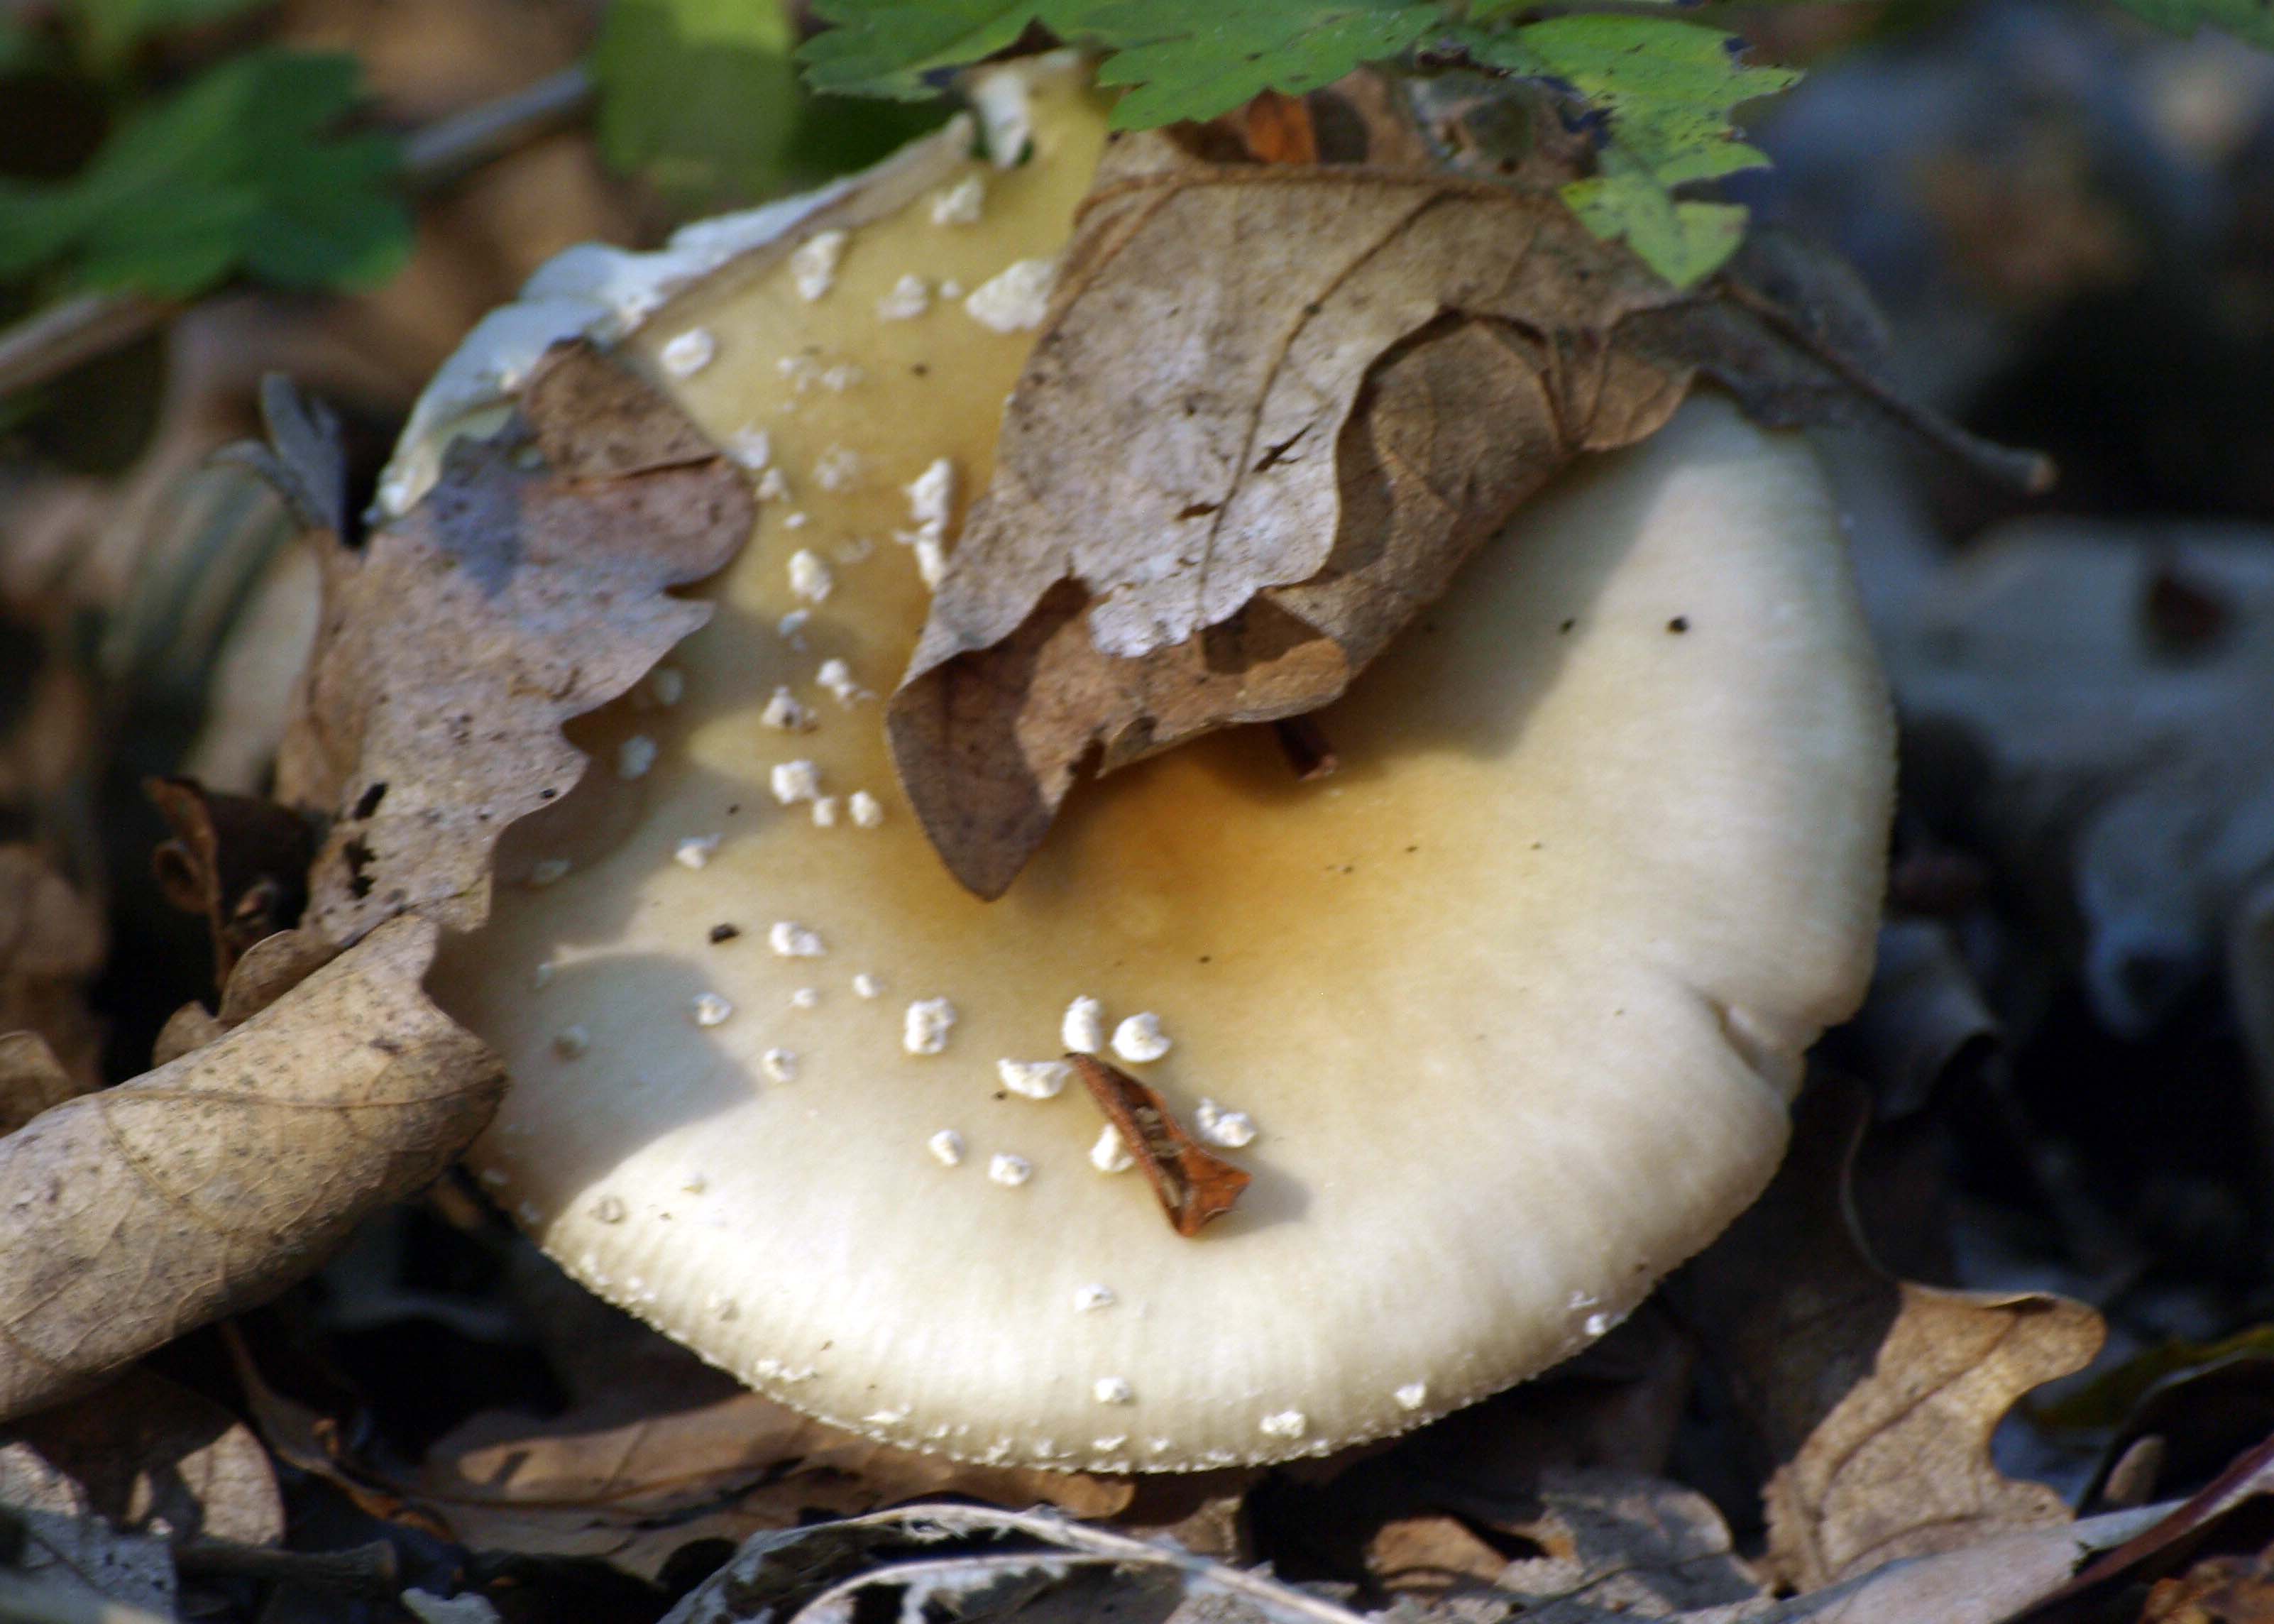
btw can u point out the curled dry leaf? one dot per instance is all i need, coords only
(1273, 409)
(51, 941)
(1193, 1185)
(239, 860)
(148, 1456)
(139, 1212)
(635, 1491)
(527, 588)
(1611, 1541)
(1877, 1397)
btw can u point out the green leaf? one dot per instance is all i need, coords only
(1186, 59)
(2251, 21)
(232, 174)
(114, 28)
(1666, 90)
(1196, 59)
(885, 48)
(699, 95)
(1685, 241)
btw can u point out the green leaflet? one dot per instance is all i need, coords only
(1666, 90)
(1186, 59)
(232, 174)
(885, 48)
(1196, 59)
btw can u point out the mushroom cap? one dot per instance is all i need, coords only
(1515, 1001)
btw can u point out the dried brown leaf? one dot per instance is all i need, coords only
(51, 941)
(1272, 410)
(2229, 1510)
(1194, 1185)
(1607, 1540)
(635, 1491)
(31, 1079)
(528, 588)
(238, 859)
(1273, 406)
(216, 1180)
(148, 1456)
(1877, 1397)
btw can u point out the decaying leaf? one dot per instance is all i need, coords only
(635, 1491)
(147, 1455)
(31, 1079)
(1273, 407)
(51, 941)
(239, 860)
(2228, 1513)
(1193, 1185)
(1876, 1397)
(526, 589)
(1611, 1541)
(212, 1182)
(969, 1562)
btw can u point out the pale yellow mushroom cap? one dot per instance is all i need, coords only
(1514, 1002)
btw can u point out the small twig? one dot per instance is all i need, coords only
(1308, 749)
(368, 1570)
(2032, 473)
(51, 341)
(449, 147)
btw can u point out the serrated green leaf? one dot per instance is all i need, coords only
(1666, 91)
(232, 174)
(885, 48)
(699, 95)
(1668, 88)
(1683, 241)
(1196, 59)
(2248, 21)
(1184, 58)
(113, 27)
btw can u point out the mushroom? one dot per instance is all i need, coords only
(1504, 1016)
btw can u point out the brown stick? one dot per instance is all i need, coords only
(2032, 473)
(1308, 749)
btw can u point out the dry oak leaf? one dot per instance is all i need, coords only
(141, 1211)
(1272, 409)
(633, 1491)
(1877, 1397)
(239, 860)
(148, 1456)
(51, 941)
(526, 588)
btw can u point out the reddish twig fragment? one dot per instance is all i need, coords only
(1193, 1185)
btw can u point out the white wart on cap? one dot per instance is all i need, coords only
(1515, 1001)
